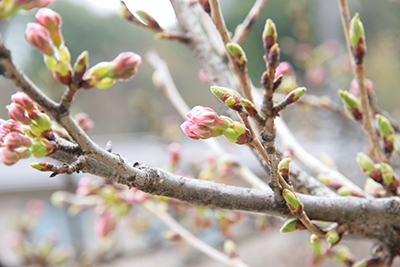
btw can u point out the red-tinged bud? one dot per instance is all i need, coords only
(269, 35)
(352, 103)
(14, 140)
(238, 133)
(332, 237)
(52, 21)
(228, 97)
(295, 95)
(125, 13)
(357, 39)
(387, 132)
(265, 80)
(373, 262)
(43, 122)
(149, 20)
(369, 167)
(39, 37)
(389, 177)
(328, 182)
(238, 54)
(63, 72)
(11, 126)
(125, 65)
(84, 121)
(81, 65)
(9, 8)
(23, 100)
(292, 225)
(205, 4)
(98, 76)
(248, 106)
(42, 166)
(354, 89)
(8, 156)
(17, 113)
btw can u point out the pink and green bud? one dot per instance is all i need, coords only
(64, 54)
(42, 166)
(368, 166)
(238, 133)
(149, 20)
(105, 225)
(202, 116)
(228, 97)
(343, 256)
(284, 68)
(42, 121)
(292, 225)
(195, 131)
(249, 107)
(329, 182)
(52, 21)
(81, 65)
(8, 156)
(51, 62)
(237, 53)
(344, 191)
(63, 72)
(295, 95)
(17, 113)
(98, 76)
(332, 237)
(352, 103)
(269, 35)
(387, 132)
(11, 126)
(9, 8)
(283, 168)
(84, 121)
(24, 100)
(174, 151)
(125, 65)
(14, 140)
(293, 202)
(230, 249)
(389, 177)
(23, 153)
(357, 39)
(39, 37)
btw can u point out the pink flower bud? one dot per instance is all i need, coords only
(125, 65)
(52, 21)
(13, 140)
(35, 207)
(24, 100)
(202, 116)
(284, 68)
(86, 186)
(39, 37)
(105, 225)
(195, 131)
(17, 113)
(84, 121)
(11, 126)
(8, 156)
(174, 150)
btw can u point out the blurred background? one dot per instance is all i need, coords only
(138, 118)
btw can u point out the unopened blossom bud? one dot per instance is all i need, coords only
(352, 103)
(248, 106)
(205, 4)
(105, 225)
(98, 76)
(284, 68)
(52, 21)
(295, 95)
(389, 177)
(230, 248)
(283, 168)
(367, 263)
(332, 236)
(357, 39)
(355, 90)
(269, 35)
(63, 72)
(387, 132)
(292, 225)
(84, 121)
(14, 140)
(195, 131)
(11, 126)
(174, 150)
(50, 62)
(24, 100)
(17, 113)
(9, 8)
(125, 65)
(293, 202)
(38, 37)
(238, 54)
(124, 12)
(81, 65)
(368, 167)
(344, 191)
(149, 20)
(42, 147)
(343, 256)
(8, 156)
(202, 116)
(228, 97)
(238, 133)
(42, 166)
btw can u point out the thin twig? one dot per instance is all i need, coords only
(192, 240)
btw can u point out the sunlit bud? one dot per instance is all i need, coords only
(17, 113)
(13, 140)
(332, 237)
(228, 97)
(11, 126)
(389, 177)
(269, 35)
(63, 72)
(105, 225)
(352, 103)
(8, 156)
(42, 147)
(295, 95)
(283, 168)
(24, 100)
(230, 249)
(149, 20)
(174, 150)
(38, 37)
(84, 121)
(81, 65)
(125, 64)
(52, 21)
(292, 225)
(357, 39)
(98, 76)
(195, 131)
(239, 56)
(293, 202)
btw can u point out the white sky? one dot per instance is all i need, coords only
(161, 10)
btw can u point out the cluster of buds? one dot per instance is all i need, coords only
(205, 123)
(27, 133)
(357, 39)
(381, 173)
(46, 36)
(233, 100)
(9, 8)
(339, 188)
(352, 103)
(386, 131)
(105, 74)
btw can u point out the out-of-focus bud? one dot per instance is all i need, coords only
(125, 13)
(228, 97)
(293, 202)
(292, 225)
(105, 225)
(174, 150)
(329, 182)
(230, 249)
(17, 113)
(357, 39)
(389, 177)
(149, 20)
(84, 121)
(42, 147)
(269, 35)
(59, 198)
(11, 126)
(352, 103)
(87, 186)
(238, 54)
(295, 95)
(343, 256)
(51, 62)
(284, 68)
(369, 167)
(355, 90)
(387, 132)
(52, 21)
(171, 235)
(332, 236)
(205, 4)
(125, 65)
(14, 140)
(81, 65)
(8, 156)
(38, 37)
(9, 8)
(367, 263)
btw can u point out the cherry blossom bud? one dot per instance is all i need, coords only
(125, 65)
(228, 97)
(202, 116)
(295, 95)
(149, 20)
(283, 168)
(195, 131)
(23, 100)
(293, 202)
(292, 225)
(81, 65)
(52, 21)
(87, 186)
(42, 147)
(38, 37)
(8, 156)
(284, 68)
(387, 132)
(9, 8)
(230, 249)
(238, 133)
(58, 198)
(84, 121)
(11, 126)
(63, 72)
(238, 54)
(269, 35)
(332, 237)
(98, 76)
(14, 140)
(357, 39)
(352, 103)
(389, 177)
(343, 256)
(105, 225)
(174, 150)
(374, 189)
(369, 167)
(17, 113)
